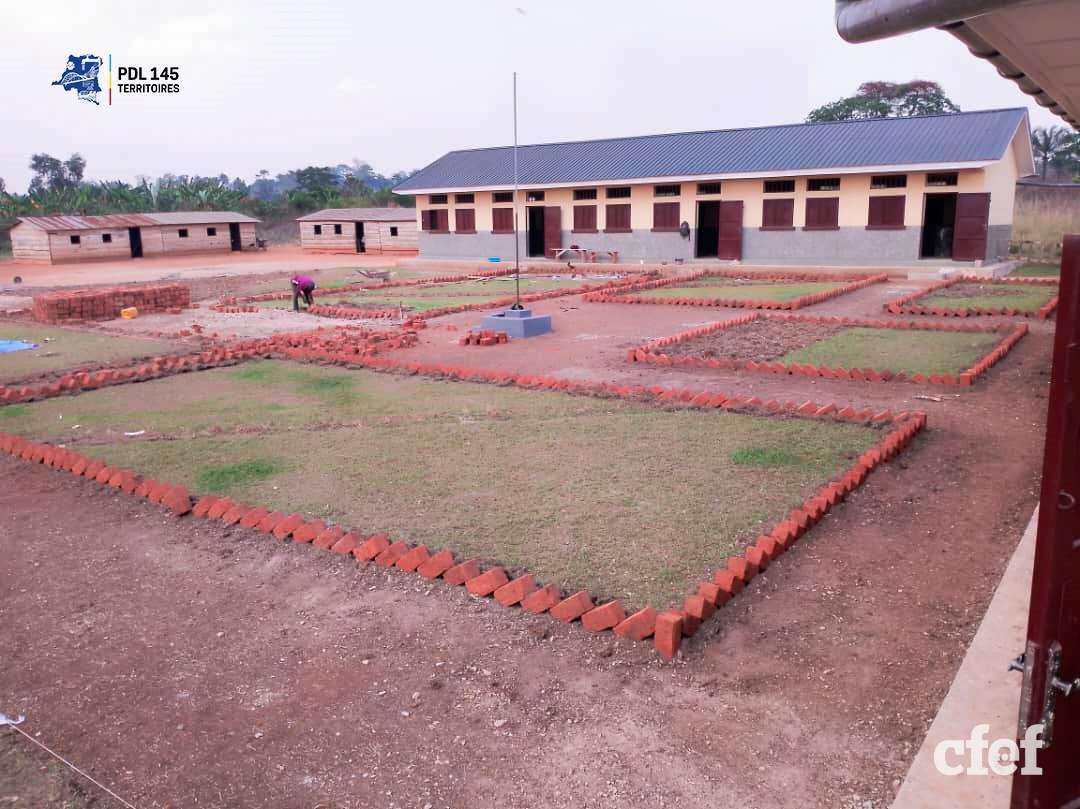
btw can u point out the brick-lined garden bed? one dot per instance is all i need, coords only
(910, 305)
(653, 351)
(105, 304)
(845, 283)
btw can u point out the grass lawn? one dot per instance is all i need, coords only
(741, 292)
(1037, 271)
(624, 499)
(1024, 298)
(68, 349)
(914, 352)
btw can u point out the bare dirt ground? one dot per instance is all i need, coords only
(187, 664)
(761, 340)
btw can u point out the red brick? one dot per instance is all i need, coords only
(513, 592)
(712, 593)
(346, 544)
(116, 478)
(268, 523)
(328, 537)
(218, 509)
(487, 582)
(392, 553)
(143, 488)
(699, 607)
(637, 626)
(769, 547)
(668, 633)
(572, 608)
(542, 600)
(461, 573)
(178, 500)
(80, 465)
(253, 517)
(606, 616)
(107, 472)
(742, 568)
(235, 514)
(436, 565)
(371, 547)
(728, 582)
(756, 557)
(308, 531)
(284, 528)
(414, 558)
(158, 491)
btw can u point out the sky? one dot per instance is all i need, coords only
(281, 85)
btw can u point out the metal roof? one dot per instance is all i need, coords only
(956, 138)
(53, 224)
(360, 215)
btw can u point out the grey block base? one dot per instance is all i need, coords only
(517, 322)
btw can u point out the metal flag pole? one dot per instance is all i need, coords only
(517, 249)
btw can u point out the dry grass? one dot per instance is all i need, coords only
(1041, 219)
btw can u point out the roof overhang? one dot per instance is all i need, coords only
(1035, 43)
(756, 175)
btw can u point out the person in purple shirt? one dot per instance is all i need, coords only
(301, 285)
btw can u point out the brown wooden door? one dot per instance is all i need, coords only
(969, 232)
(552, 230)
(1053, 634)
(729, 243)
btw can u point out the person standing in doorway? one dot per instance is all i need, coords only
(301, 285)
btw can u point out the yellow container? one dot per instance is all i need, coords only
(129, 313)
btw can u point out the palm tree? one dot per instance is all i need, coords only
(1047, 142)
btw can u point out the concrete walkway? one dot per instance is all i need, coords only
(984, 692)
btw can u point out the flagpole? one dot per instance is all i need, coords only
(517, 249)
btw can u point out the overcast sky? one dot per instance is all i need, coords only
(280, 85)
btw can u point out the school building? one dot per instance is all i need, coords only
(375, 231)
(928, 189)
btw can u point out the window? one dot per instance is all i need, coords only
(318, 230)
(435, 220)
(464, 199)
(502, 196)
(106, 238)
(182, 233)
(708, 188)
(465, 220)
(584, 193)
(778, 214)
(822, 213)
(667, 190)
(618, 219)
(619, 192)
(665, 216)
(779, 186)
(888, 181)
(393, 230)
(584, 219)
(886, 213)
(76, 239)
(437, 199)
(823, 184)
(502, 220)
(337, 230)
(534, 196)
(942, 178)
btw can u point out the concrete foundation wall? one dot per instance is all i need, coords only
(855, 245)
(997, 242)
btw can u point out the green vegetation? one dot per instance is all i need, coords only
(621, 498)
(741, 292)
(914, 352)
(1024, 298)
(1037, 271)
(61, 349)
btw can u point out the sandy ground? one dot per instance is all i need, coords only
(192, 665)
(226, 325)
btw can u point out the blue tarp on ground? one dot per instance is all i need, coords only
(7, 346)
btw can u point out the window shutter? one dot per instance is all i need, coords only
(618, 218)
(585, 218)
(822, 213)
(665, 216)
(465, 220)
(502, 220)
(886, 212)
(778, 213)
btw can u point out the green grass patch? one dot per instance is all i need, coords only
(740, 292)
(1025, 298)
(14, 411)
(914, 352)
(62, 349)
(621, 498)
(1037, 271)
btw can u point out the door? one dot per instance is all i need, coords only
(708, 229)
(1053, 634)
(972, 220)
(360, 248)
(729, 240)
(135, 242)
(534, 231)
(234, 236)
(939, 226)
(552, 230)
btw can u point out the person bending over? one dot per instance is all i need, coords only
(301, 285)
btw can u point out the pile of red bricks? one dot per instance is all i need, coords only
(484, 337)
(909, 305)
(352, 312)
(106, 303)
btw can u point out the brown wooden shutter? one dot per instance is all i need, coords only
(552, 230)
(822, 213)
(778, 214)
(665, 216)
(618, 219)
(442, 221)
(502, 220)
(972, 223)
(886, 212)
(465, 220)
(585, 219)
(729, 243)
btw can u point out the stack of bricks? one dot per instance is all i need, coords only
(484, 337)
(105, 303)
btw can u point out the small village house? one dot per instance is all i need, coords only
(375, 231)
(61, 239)
(930, 189)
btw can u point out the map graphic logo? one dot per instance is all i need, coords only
(81, 75)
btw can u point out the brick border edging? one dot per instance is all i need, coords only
(856, 281)
(649, 353)
(903, 304)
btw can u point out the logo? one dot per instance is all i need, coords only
(81, 75)
(1001, 755)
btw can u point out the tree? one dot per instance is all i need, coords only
(1050, 144)
(317, 178)
(52, 174)
(884, 99)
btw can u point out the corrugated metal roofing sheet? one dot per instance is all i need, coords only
(200, 217)
(361, 215)
(955, 138)
(133, 220)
